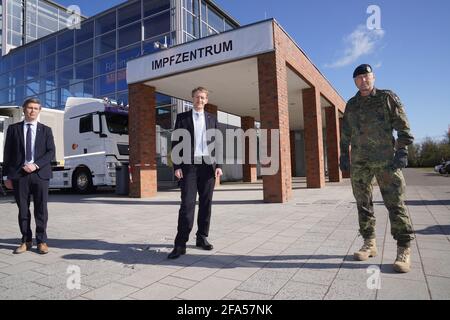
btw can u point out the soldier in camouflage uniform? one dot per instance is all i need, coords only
(369, 120)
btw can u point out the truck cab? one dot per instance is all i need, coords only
(95, 143)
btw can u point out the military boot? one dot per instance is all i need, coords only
(369, 249)
(403, 262)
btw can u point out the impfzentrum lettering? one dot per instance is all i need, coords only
(198, 53)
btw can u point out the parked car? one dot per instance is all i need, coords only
(443, 168)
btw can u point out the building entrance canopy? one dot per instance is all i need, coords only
(258, 73)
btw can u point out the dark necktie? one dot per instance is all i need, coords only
(28, 144)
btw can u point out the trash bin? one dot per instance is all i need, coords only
(122, 180)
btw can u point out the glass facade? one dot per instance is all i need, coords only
(85, 62)
(91, 61)
(202, 20)
(41, 17)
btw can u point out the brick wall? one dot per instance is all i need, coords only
(142, 135)
(333, 137)
(274, 114)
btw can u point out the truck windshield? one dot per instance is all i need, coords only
(117, 123)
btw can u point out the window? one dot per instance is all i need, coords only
(86, 124)
(48, 83)
(84, 51)
(117, 123)
(214, 20)
(42, 32)
(105, 84)
(65, 40)
(5, 62)
(17, 95)
(162, 99)
(65, 58)
(127, 54)
(48, 64)
(17, 75)
(88, 88)
(105, 64)
(191, 5)
(33, 53)
(84, 71)
(48, 99)
(105, 43)
(105, 23)
(32, 89)
(48, 47)
(18, 58)
(192, 25)
(155, 6)
(157, 25)
(4, 80)
(86, 32)
(130, 13)
(122, 80)
(64, 77)
(129, 35)
(32, 70)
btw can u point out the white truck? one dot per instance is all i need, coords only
(94, 143)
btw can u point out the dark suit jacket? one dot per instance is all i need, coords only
(185, 121)
(14, 152)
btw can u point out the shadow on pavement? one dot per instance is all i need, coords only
(436, 229)
(156, 254)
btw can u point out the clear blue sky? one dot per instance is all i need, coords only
(411, 55)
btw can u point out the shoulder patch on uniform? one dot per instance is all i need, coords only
(394, 97)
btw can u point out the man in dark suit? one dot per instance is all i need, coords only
(29, 150)
(197, 175)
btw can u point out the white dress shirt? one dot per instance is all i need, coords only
(33, 138)
(200, 145)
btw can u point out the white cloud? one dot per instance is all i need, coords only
(360, 42)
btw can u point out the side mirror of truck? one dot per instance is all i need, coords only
(96, 123)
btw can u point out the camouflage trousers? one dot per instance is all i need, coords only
(392, 187)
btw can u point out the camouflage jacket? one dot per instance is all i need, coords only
(368, 126)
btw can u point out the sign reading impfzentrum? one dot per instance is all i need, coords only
(232, 45)
(193, 55)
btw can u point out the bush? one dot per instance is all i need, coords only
(429, 153)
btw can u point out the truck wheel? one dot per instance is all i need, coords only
(82, 181)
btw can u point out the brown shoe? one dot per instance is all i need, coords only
(24, 246)
(42, 248)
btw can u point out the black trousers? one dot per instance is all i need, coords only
(24, 187)
(197, 178)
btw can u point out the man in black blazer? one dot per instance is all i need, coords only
(29, 150)
(196, 175)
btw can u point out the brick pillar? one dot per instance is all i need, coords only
(273, 100)
(333, 138)
(345, 174)
(142, 139)
(292, 142)
(312, 115)
(211, 108)
(248, 169)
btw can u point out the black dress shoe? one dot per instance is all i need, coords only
(204, 244)
(176, 252)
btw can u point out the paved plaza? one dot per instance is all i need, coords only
(105, 246)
